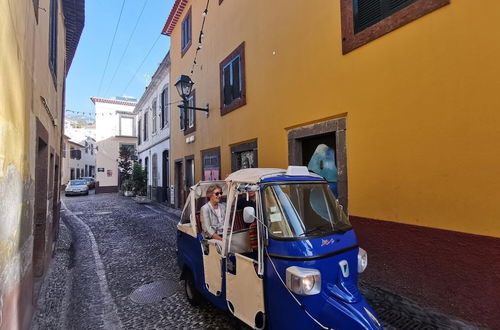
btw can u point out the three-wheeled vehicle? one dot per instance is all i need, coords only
(300, 270)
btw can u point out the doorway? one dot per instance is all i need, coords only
(40, 207)
(179, 186)
(165, 194)
(322, 148)
(189, 173)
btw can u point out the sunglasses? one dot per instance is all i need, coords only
(218, 193)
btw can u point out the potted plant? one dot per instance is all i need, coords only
(140, 182)
(128, 188)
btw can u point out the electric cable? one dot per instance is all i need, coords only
(127, 46)
(111, 48)
(142, 63)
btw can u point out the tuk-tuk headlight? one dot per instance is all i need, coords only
(362, 260)
(303, 281)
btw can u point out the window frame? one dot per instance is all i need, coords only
(133, 124)
(242, 147)
(146, 136)
(154, 114)
(242, 100)
(191, 103)
(185, 45)
(213, 152)
(164, 108)
(53, 22)
(352, 40)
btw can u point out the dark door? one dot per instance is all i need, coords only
(39, 246)
(189, 175)
(179, 185)
(164, 178)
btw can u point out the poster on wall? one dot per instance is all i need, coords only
(211, 175)
(100, 169)
(109, 172)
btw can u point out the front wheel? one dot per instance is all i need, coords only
(192, 294)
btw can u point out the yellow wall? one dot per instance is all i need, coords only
(421, 103)
(24, 77)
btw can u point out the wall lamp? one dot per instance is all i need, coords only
(184, 87)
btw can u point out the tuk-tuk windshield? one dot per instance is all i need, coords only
(300, 210)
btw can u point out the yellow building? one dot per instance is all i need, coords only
(406, 97)
(38, 40)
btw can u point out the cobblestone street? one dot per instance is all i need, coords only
(109, 246)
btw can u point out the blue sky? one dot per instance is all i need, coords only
(89, 63)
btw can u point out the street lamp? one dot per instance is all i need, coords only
(184, 87)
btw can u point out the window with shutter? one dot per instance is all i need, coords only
(190, 115)
(366, 20)
(186, 32)
(232, 80)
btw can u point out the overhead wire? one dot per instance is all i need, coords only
(127, 46)
(142, 63)
(111, 48)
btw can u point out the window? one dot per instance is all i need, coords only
(366, 20)
(210, 164)
(153, 107)
(154, 170)
(126, 126)
(191, 115)
(91, 148)
(53, 38)
(75, 154)
(164, 108)
(232, 80)
(146, 126)
(244, 155)
(86, 147)
(139, 132)
(186, 33)
(64, 150)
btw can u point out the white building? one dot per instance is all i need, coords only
(115, 127)
(153, 124)
(78, 159)
(78, 131)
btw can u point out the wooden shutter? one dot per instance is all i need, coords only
(182, 118)
(236, 91)
(370, 12)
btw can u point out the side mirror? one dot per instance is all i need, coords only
(248, 214)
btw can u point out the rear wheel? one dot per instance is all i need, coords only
(192, 294)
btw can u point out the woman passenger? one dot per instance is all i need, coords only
(213, 213)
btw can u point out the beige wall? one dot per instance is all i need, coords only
(107, 157)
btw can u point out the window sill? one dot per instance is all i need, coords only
(351, 40)
(225, 109)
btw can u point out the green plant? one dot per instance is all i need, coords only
(127, 185)
(125, 162)
(139, 178)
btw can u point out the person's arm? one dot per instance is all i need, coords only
(218, 237)
(205, 221)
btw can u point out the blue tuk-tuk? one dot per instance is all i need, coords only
(288, 260)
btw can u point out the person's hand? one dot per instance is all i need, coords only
(217, 237)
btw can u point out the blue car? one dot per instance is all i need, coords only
(288, 259)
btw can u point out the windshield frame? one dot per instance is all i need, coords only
(296, 238)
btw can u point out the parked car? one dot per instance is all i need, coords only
(90, 181)
(77, 187)
(290, 261)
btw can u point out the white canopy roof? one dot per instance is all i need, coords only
(253, 175)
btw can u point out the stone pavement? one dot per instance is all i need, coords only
(110, 247)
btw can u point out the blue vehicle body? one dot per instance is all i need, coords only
(339, 305)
